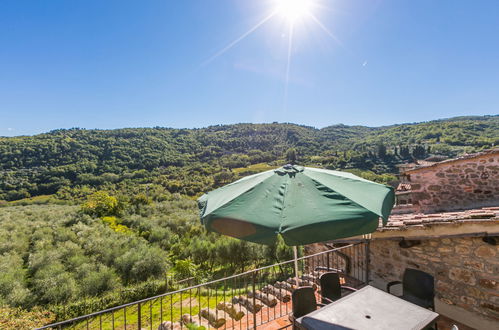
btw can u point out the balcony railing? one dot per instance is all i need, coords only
(240, 301)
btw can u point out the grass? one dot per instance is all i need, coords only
(252, 169)
(168, 308)
(172, 307)
(42, 199)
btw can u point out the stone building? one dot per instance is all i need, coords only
(467, 182)
(447, 226)
(458, 248)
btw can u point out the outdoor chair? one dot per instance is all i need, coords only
(331, 287)
(304, 302)
(417, 288)
(328, 269)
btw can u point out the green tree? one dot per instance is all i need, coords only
(54, 284)
(291, 156)
(101, 204)
(223, 177)
(419, 152)
(381, 150)
(184, 269)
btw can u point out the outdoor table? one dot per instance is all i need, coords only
(368, 308)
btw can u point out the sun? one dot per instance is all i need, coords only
(293, 10)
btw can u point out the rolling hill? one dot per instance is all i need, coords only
(187, 160)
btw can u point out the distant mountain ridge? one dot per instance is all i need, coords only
(46, 163)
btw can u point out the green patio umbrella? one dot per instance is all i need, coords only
(304, 205)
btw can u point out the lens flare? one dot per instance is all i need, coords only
(293, 10)
(296, 14)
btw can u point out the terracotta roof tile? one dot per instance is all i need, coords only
(418, 220)
(422, 164)
(404, 187)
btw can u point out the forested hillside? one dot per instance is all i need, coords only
(119, 220)
(74, 162)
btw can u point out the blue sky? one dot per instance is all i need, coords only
(111, 64)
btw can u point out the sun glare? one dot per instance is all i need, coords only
(293, 10)
(296, 14)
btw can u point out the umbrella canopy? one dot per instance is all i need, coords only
(304, 205)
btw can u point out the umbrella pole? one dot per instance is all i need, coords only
(295, 250)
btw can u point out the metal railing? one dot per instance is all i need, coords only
(240, 301)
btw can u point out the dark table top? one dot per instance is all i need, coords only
(368, 308)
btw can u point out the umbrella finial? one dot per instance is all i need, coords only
(289, 169)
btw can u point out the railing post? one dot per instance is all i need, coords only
(368, 258)
(139, 316)
(254, 298)
(308, 262)
(327, 260)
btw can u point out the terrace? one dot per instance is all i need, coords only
(257, 299)
(260, 298)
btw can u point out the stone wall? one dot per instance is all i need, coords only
(457, 184)
(466, 270)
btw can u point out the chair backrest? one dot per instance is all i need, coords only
(303, 301)
(419, 284)
(330, 286)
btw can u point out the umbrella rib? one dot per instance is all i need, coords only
(231, 200)
(341, 194)
(349, 180)
(284, 186)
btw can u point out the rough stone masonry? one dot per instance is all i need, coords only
(462, 183)
(466, 270)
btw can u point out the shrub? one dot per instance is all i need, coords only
(100, 280)
(101, 204)
(53, 284)
(115, 225)
(17, 318)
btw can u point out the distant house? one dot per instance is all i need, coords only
(446, 223)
